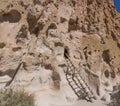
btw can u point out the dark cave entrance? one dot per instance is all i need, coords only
(12, 16)
(66, 52)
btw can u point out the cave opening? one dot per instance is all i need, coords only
(66, 52)
(12, 16)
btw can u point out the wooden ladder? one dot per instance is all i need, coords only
(77, 83)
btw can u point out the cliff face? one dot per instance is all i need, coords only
(33, 38)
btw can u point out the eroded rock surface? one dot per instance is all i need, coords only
(35, 34)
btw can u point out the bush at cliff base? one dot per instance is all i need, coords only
(17, 98)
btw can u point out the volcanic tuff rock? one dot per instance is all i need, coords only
(33, 38)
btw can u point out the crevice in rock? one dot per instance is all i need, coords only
(46, 2)
(102, 41)
(99, 2)
(66, 52)
(73, 24)
(113, 36)
(2, 45)
(118, 45)
(62, 65)
(89, 2)
(106, 56)
(48, 66)
(89, 66)
(23, 5)
(25, 66)
(36, 2)
(37, 28)
(58, 44)
(15, 49)
(106, 72)
(51, 26)
(113, 74)
(31, 54)
(32, 21)
(56, 79)
(23, 33)
(19, 41)
(62, 20)
(73, 3)
(85, 52)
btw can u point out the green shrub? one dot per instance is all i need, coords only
(18, 98)
(106, 84)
